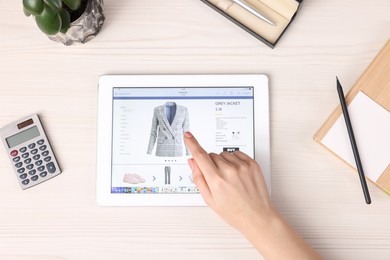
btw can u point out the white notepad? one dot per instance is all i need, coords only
(371, 126)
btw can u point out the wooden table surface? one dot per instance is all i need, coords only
(318, 194)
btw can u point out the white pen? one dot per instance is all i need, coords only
(252, 10)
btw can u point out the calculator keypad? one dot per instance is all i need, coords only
(19, 164)
(27, 161)
(38, 163)
(50, 167)
(33, 162)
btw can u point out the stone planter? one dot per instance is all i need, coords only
(84, 28)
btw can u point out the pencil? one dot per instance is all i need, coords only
(353, 143)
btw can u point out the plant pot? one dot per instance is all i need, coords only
(84, 28)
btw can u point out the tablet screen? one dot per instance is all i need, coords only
(148, 152)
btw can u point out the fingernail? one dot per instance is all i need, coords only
(188, 135)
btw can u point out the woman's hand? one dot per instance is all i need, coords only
(232, 185)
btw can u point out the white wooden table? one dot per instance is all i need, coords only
(319, 195)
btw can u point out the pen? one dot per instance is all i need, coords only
(252, 10)
(353, 142)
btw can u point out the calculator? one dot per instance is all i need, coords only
(30, 152)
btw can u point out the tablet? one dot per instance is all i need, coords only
(141, 156)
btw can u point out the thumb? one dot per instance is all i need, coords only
(200, 182)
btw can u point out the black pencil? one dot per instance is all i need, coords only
(353, 142)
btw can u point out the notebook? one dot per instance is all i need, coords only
(369, 107)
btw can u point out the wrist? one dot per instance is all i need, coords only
(274, 238)
(261, 223)
(263, 227)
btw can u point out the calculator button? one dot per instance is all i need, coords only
(41, 142)
(14, 153)
(27, 161)
(23, 176)
(39, 163)
(21, 170)
(43, 148)
(36, 157)
(45, 153)
(50, 167)
(16, 159)
(34, 178)
(32, 172)
(47, 159)
(23, 149)
(31, 146)
(18, 165)
(43, 174)
(25, 155)
(41, 168)
(30, 166)
(25, 182)
(34, 151)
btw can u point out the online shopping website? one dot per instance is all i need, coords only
(149, 154)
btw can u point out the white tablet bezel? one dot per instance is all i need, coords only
(104, 133)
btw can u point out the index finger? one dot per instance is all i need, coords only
(201, 157)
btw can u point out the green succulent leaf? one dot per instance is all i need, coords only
(65, 17)
(26, 13)
(49, 21)
(54, 3)
(73, 4)
(34, 7)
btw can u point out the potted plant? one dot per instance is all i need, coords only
(67, 21)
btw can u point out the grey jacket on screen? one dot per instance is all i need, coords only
(169, 137)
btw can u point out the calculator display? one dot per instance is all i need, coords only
(22, 137)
